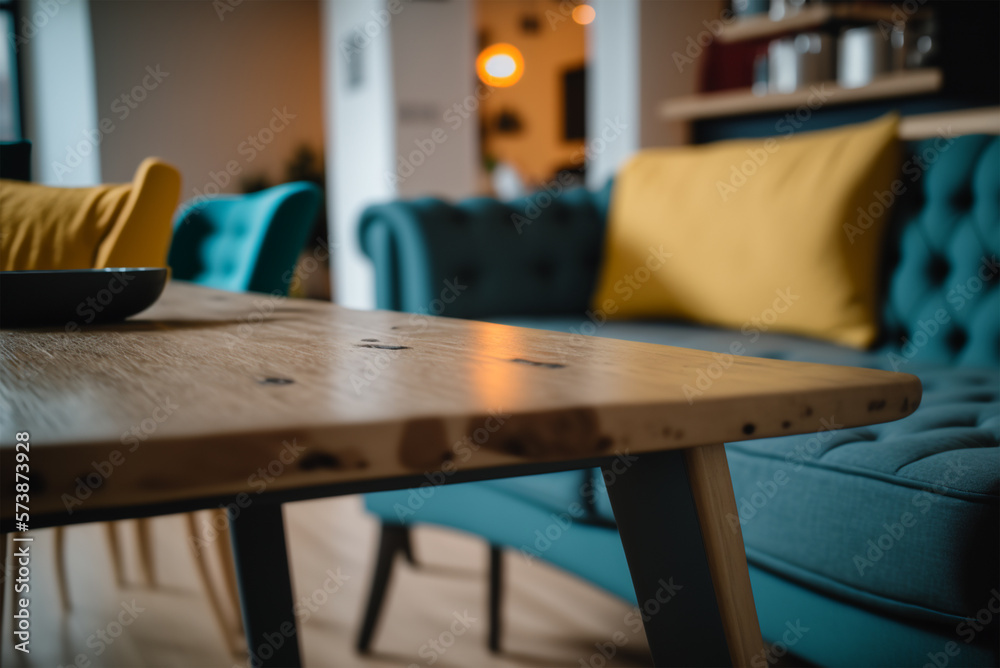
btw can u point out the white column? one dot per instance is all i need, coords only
(393, 69)
(631, 47)
(360, 133)
(60, 101)
(613, 88)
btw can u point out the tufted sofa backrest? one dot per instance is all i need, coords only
(539, 255)
(481, 258)
(942, 300)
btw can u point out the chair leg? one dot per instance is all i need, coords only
(496, 595)
(111, 533)
(59, 554)
(407, 548)
(225, 554)
(145, 538)
(201, 567)
(394, 538)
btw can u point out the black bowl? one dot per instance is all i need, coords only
(76, 298)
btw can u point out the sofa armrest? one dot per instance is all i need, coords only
(482, 258)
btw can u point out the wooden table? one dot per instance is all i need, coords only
(191, 398)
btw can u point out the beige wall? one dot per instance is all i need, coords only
(631, 50)
(665, 28)
(539, 149)
(225, 76)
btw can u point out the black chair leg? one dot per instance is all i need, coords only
(395, 538)
(407, 548)
(496, 585)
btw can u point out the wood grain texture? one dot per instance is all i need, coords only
(712, 489)
(210, 392)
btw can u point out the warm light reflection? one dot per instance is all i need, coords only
(500, 65)
(584, 14)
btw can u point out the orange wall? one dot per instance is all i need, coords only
(538, 150)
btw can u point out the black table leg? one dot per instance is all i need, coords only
(258, 534)
(687, 562)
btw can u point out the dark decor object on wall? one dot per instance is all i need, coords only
(575, 104)
(508, 121)
(15, 160)
(529, 24)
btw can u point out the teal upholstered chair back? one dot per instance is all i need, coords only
(244, 243)
(943, 301)
(539, 255)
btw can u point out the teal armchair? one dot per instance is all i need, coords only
(244, 243)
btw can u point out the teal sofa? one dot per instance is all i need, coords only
(874, 546)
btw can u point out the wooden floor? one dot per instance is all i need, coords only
(551, 618)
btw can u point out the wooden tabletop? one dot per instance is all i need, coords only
(210, 393)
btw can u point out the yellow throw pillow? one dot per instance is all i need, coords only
(84, 228)
(765, 234)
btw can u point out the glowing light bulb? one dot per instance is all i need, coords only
(500, 65)
(584, 14)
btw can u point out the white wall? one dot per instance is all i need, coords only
(360, 138)
(612, 86)
(433, 51)
(413, 61)
(220, 77)
(632, 71)
(61, 116)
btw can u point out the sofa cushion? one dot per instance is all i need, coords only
(923, 490)
(786, 230)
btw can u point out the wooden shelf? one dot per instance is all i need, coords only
(742, 101)
(807, 18)
(982, 120)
